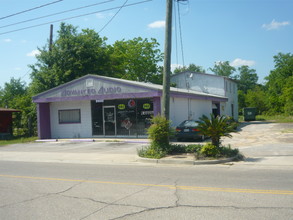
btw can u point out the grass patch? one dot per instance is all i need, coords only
(18, 140)
(275, 118)
(270, 118)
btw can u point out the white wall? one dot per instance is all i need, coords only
(211, 84)
(232, 95)
(83, 129)
(182, 109)
(206, 83)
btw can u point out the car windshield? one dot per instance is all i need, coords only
(188, 123)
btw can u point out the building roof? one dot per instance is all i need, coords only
(146, 87)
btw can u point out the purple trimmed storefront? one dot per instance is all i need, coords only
(97, 106)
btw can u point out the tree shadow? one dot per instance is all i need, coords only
(253, 159)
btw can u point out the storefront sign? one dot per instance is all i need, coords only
(147, 112)
(146, 106)
(121, 106)
(84, 92)
(131, 103)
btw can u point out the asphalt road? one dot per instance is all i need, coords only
(94, 180)
(80, 191)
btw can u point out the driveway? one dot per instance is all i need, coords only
(72, 152)
(267, 144)
(264, 143)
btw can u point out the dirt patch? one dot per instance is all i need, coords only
(259, 133)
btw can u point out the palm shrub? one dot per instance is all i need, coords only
(215, 127)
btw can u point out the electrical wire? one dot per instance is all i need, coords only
(64, 19)
(180, 32)
(176, 39)
(31, 9)
(50, 15)
(113, 17)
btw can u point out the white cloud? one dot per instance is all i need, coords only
(157, 24)
(240, 62)
(33, 53)
(17, 68)
(274, 25)
(8, 40)
(174, 66)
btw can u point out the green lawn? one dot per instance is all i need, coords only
(18, 140)
(274, 118)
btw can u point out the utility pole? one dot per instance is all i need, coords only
(167, 61)
(51, 37)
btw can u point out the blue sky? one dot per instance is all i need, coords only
(243, 32)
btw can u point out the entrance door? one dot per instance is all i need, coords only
(109, 114)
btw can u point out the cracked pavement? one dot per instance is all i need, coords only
(103, 192)
(78, 191)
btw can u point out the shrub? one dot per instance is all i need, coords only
(176, 149)
(215, 127)
(151, 152)
(193, 148)
(159, 133)
(228, 151)
(210, 150)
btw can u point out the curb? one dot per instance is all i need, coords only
(185, 162)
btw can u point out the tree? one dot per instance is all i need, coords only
(137, 60)
(247, 78)
(279, 85)
(15, 94)
(192, 68)
(215, 127)
(257, 98)
(223, 69)
(15, 88)
(73, 55)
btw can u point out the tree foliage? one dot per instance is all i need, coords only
(246, 78)
(279, 85)
(192, 67)
(15, 95)
(215, 127)
(72, 55)
(223, 69)
(75, 54)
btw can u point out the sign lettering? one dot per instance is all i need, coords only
(86, 92)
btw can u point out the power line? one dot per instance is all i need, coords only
(31, 9)
(50, 15)
(113, 17)
(64, 19)
(176, 40)
(180, 32)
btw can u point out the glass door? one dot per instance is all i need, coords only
(109, 120)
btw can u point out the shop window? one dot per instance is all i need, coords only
(69, 116)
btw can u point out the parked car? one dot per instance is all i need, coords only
(188, 130)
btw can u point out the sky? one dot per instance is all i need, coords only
(243, 32)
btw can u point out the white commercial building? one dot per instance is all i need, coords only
(211, 84)
(98, 106)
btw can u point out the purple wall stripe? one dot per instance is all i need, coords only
(99, 97)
